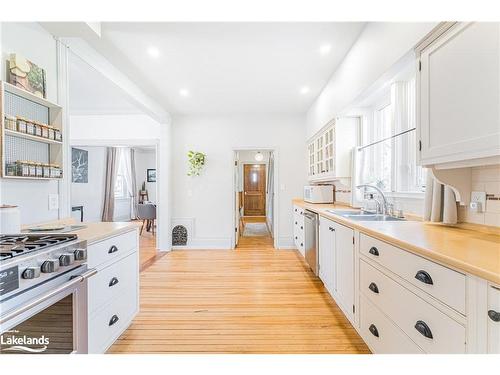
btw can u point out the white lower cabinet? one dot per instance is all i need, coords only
(336, 263)
(493, 319)
(381, 334)
(428, 327)
(113, 293)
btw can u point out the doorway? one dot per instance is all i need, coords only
(254, 198)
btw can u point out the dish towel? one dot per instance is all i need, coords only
(440, 202)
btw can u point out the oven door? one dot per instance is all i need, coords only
(50, 318)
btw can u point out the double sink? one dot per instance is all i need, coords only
(364, 216)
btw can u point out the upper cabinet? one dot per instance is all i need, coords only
(458, 95)
(329, 152)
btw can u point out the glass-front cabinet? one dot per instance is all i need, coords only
(322, 153)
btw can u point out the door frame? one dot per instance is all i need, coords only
(147, 142)
(275, 151)
(267, 171)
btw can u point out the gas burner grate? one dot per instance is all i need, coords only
(16, 245)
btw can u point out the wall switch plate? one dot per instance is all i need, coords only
(53, 201)
(478, 201)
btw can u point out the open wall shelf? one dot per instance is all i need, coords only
(18, 146)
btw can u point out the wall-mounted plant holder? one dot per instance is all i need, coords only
(196, 162)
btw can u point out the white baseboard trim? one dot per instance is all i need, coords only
(206, 244)
(286, 243)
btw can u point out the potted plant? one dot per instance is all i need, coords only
(196, 162)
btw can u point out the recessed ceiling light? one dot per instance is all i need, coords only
(304, 90)
(184, 92)
(325, 49)
(153, 52)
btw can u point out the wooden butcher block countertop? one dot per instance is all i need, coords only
(473, 249)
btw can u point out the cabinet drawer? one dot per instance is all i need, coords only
(298, 222)
(440, 282)
(111, 249)
(382, 335)
(412, 313)
(110, 322)
(493, 323)
(113, 281)
(298, 210)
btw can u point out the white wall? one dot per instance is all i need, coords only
(208, 199)
(378, 48)
(144, 160)
(34, 43)
(91, 195)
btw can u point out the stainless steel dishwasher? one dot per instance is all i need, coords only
(311, 239)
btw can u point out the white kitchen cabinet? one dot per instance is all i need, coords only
(458, 94)
(494, 319)
(113, 294)
(327, 257)
(329, 152)
(344, 251)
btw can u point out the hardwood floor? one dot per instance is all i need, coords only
(251, 300)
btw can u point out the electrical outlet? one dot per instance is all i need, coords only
(478, 201)
(53, 201)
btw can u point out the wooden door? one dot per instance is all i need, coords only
(254, 189)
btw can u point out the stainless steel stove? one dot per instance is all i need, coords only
(42, 275)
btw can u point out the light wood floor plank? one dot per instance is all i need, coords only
(251, 300)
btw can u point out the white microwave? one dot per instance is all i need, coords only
(318, 194)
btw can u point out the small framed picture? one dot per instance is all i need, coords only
(151, 175)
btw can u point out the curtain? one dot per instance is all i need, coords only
(440, 202)
(127, 171)
(133, 186)
(108, 208)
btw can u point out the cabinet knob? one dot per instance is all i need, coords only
(373, 330)
(494, 315)
(373, 287)
(423, 329)
(374, 251)
(424, 277)
(301, 227)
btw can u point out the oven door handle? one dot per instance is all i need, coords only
(74, 281)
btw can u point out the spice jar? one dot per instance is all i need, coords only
(57, 135)
(21, 125)
(22, 168)
(45, 131)
(51, 132)
(46, 170)
(11, 169)
(32, 169)
(30, 128)
(10, 123)
(39, 169)
(38, 129)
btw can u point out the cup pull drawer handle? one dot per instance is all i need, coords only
(112, 249)
(373, 330)
(423, 329)
(113, 281)
(424, 277)
(374, 251)
(494, 315)
(113, 320)
(331, 229)
(373, 287)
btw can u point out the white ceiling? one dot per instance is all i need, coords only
(92, 93)
(227, 67)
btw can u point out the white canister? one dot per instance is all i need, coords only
(10, 220)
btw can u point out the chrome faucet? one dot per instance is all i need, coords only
(384, 205)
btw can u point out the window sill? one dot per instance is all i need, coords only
(122, 198)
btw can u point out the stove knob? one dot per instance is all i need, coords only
(66, 259)
(49, 266)
(31, 273)
(80, 254)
